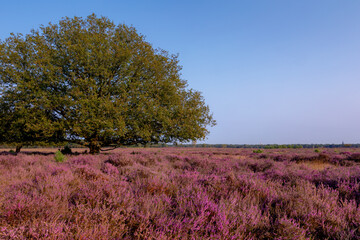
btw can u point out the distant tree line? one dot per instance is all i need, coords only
(272, 146)
(163, 145)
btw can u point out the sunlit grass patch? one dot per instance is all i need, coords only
(318, 165)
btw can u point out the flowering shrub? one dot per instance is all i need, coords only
(175, 193)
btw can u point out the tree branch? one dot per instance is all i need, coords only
(105, 150)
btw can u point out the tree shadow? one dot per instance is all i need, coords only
(6, 153)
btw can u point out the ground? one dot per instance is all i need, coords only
(177, 193)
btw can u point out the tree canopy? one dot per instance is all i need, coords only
(89, 81)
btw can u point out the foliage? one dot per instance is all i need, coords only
(59, 156)
(181, 194)
(91, 82)
(258, 151)
(18, 124)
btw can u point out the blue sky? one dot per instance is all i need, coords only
(271, 71)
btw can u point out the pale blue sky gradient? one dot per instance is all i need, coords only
(271, 71)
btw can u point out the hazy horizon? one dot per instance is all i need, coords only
(272, 72)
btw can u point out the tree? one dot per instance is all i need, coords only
(91, 82)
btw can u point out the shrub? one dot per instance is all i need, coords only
(258, 151)
(66, 150)
(59, 156)
(317, 150)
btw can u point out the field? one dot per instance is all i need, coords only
(182, 193)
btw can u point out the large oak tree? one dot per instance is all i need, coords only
(92, 82)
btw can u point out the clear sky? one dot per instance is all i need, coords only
(275, 71)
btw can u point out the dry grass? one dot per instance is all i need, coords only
(318, 165)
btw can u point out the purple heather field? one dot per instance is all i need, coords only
(182, 193)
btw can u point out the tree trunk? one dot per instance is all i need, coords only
(18, 148)
(94, 147)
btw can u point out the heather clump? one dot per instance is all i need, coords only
(354, 157)
(109, 169)
(145, 159)
(280, 158)
(119, 160)
(9, 162)
(88, 173)
(175, 193)
(84, 160)
(260, 166)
